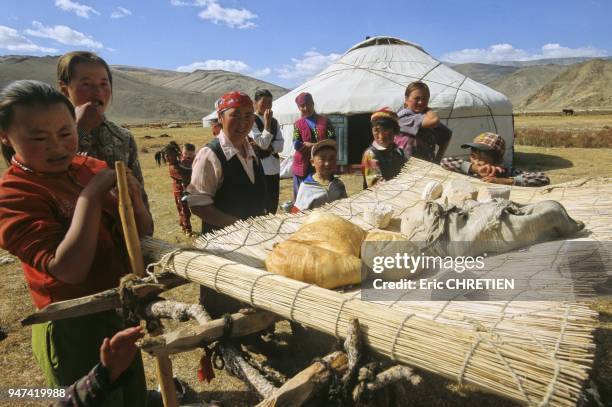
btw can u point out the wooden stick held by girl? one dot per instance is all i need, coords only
(59, 217)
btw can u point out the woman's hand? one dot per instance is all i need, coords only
(89, 116)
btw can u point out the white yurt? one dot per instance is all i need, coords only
(374, 74)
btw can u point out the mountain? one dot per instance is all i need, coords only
(523, 82)
(582, 86)
(484, 73)
(550, 61)
(213, 81)
(145, 94)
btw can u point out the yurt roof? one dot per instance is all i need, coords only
(374, 73)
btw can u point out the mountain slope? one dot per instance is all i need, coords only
(524, 82)
(144, 94)
(581, 86)
(213, 81)
(484, 73)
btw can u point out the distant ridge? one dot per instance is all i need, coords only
(583, 86)
(146, 94)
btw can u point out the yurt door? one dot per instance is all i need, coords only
(340, 124)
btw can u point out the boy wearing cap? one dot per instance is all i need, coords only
(308, 130)
(486, 162)
(383, 159)
(322, 186)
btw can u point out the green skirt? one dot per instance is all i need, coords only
(68, 349)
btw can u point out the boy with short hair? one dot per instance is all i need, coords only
(486, 162)
(383, 159)
(322, 186)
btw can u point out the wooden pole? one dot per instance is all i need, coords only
(132, 241)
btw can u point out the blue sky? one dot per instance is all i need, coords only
(286, 42)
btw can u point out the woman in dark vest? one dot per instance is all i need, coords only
(227, 182)
(307, 131)
(383, 159)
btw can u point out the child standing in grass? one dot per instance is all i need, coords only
(59, 217)
(179, 168)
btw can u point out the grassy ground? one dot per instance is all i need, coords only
(564, 122)
(18, 368)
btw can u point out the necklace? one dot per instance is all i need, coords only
(20, 165)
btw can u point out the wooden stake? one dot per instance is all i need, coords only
(307, 383)
(132, 241)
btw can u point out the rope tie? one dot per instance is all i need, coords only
(217, 274)
(253, 286)
(164, 262)
(338, 317)
(295, 298)
(466, 360)
(550, 390)
(398, 332)
(512, 372)
(217, 350)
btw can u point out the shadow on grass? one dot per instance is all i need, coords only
(540, 162)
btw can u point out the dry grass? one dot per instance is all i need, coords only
(594, 131)
(19, 368)
(578, 138)
(560, 122)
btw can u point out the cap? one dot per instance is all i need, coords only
(488, 142)
(323, 143)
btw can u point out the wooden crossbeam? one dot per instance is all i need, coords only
(103, 301)
(189, 338)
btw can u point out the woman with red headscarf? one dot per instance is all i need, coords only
(227, 179)
(227, 182)
(307, 131)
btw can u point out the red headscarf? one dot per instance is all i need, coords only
(303, 98)
(233, 99)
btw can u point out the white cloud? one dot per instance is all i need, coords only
(111, 49)
(200, 3)
(305, 68)
(13, 41)
(79, 9)
(121, 12)
(232, 17)
(507, 52)
(230, 65)
(216, 13)
(558, 51)
(63, 34)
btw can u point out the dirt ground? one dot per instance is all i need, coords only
(18, 367)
